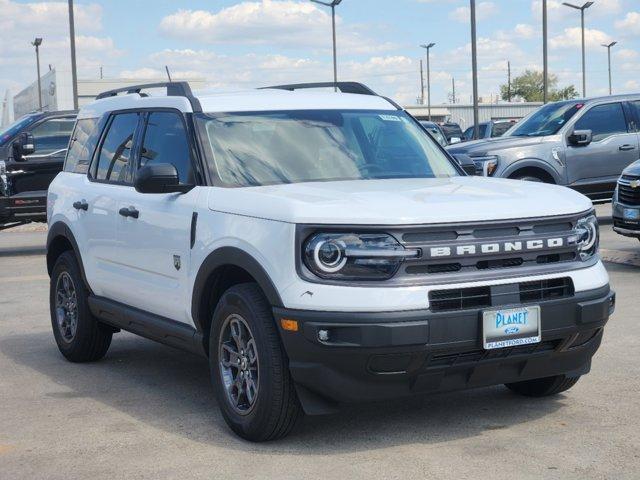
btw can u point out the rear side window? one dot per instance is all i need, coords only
(82, 145)
(603, 121)
(165, 141)
(115, 153)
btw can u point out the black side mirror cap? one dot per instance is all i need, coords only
(467, 163)
(581, 137)
(22, 146)
(159, 178)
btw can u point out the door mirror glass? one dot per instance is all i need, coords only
(23, 146)
(159, 178)
(580, 137)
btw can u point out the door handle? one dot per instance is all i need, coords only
(81, 205)
(129, 212)
(625, 148)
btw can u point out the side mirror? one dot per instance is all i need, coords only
(24, 145)
(467, 163)
(159, 178)
(455, 140)
(580, 138)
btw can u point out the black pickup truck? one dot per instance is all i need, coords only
(32, 152)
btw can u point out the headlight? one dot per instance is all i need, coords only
(486, 164)
(355, 256)
(588, 236)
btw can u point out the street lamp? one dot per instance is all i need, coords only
(333, 4)
(608, 47)
(582, 9)
(428, 49)
(36, 43)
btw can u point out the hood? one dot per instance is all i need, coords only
(400, 201)
(492, 144)
(633, 169)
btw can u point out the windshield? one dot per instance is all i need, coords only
(9, 131)
(267, 148)
(546, 120)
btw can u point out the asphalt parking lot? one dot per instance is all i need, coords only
(147, 411)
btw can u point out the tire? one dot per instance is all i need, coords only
(274, 409)
(543, 387)
(87, 340)
(529, 178)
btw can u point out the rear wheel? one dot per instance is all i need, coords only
(249, 368)
(79, 335)
(529, 178)
(543, 387)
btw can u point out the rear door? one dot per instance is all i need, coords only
(594, 169)
(33, 175)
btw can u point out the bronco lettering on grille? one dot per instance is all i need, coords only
(493, 248)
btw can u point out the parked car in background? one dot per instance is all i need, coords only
(435, 131)
(489, 129)
(452, 132)
(583, 144)
(32, 152)
(626, 202)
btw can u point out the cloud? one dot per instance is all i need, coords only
(625, 54)
(630, 25)
(572, 37)
(484, 10)
(282, 23)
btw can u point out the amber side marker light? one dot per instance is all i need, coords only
(289, 325)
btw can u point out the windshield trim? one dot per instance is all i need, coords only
(214, 176)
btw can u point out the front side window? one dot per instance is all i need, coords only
(52, 135)
(603, 121)
(83, 143)
(266, 148)
(115, 153)
(166, 141)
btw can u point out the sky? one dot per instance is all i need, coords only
(246, 44)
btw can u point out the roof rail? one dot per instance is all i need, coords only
(344, 87)
(174, 89)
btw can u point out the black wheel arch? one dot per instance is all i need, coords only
(59, 240)
(530, 166)
(239, 263)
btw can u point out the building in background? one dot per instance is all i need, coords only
(462, 114)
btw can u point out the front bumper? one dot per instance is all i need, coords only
(624, 227)
(30, 206)
(376, 356)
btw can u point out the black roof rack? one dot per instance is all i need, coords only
(174, 89)
(344, 87)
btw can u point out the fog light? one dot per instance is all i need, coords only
(323, 335)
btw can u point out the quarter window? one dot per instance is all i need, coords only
(83, 143)
(603, 121)
(115, 153)
(165, 141)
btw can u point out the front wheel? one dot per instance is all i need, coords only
(529, 178)
(543, 387)
(249, 368)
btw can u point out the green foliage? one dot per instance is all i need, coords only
(530, 87)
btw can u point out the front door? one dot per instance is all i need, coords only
(594, 169)
(154, 245)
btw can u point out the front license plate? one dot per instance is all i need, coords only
(510, 327)
(631, 214)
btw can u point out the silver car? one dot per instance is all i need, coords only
(626, 202)
(583, 144)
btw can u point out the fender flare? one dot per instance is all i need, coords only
(231, 256)
(61, 229)
(532, 162)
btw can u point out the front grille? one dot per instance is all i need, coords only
(542, 290)
(482, 297)
(627, 194)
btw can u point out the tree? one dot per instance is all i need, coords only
(530, 87)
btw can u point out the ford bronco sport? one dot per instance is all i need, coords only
(318, 248)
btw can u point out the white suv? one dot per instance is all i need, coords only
(319, 248)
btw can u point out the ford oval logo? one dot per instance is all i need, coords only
(511, 330)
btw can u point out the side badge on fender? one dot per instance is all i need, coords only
(176, 262)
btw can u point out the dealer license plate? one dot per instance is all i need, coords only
(510, 327)
(631, 214)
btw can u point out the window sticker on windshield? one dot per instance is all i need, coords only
(390, 118)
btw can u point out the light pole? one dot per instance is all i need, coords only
(474, 68)
(545, 54)
(333, 4)
(608, 47)
(74, 73)
(36, 43)
(582, 9)
(428, 49)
